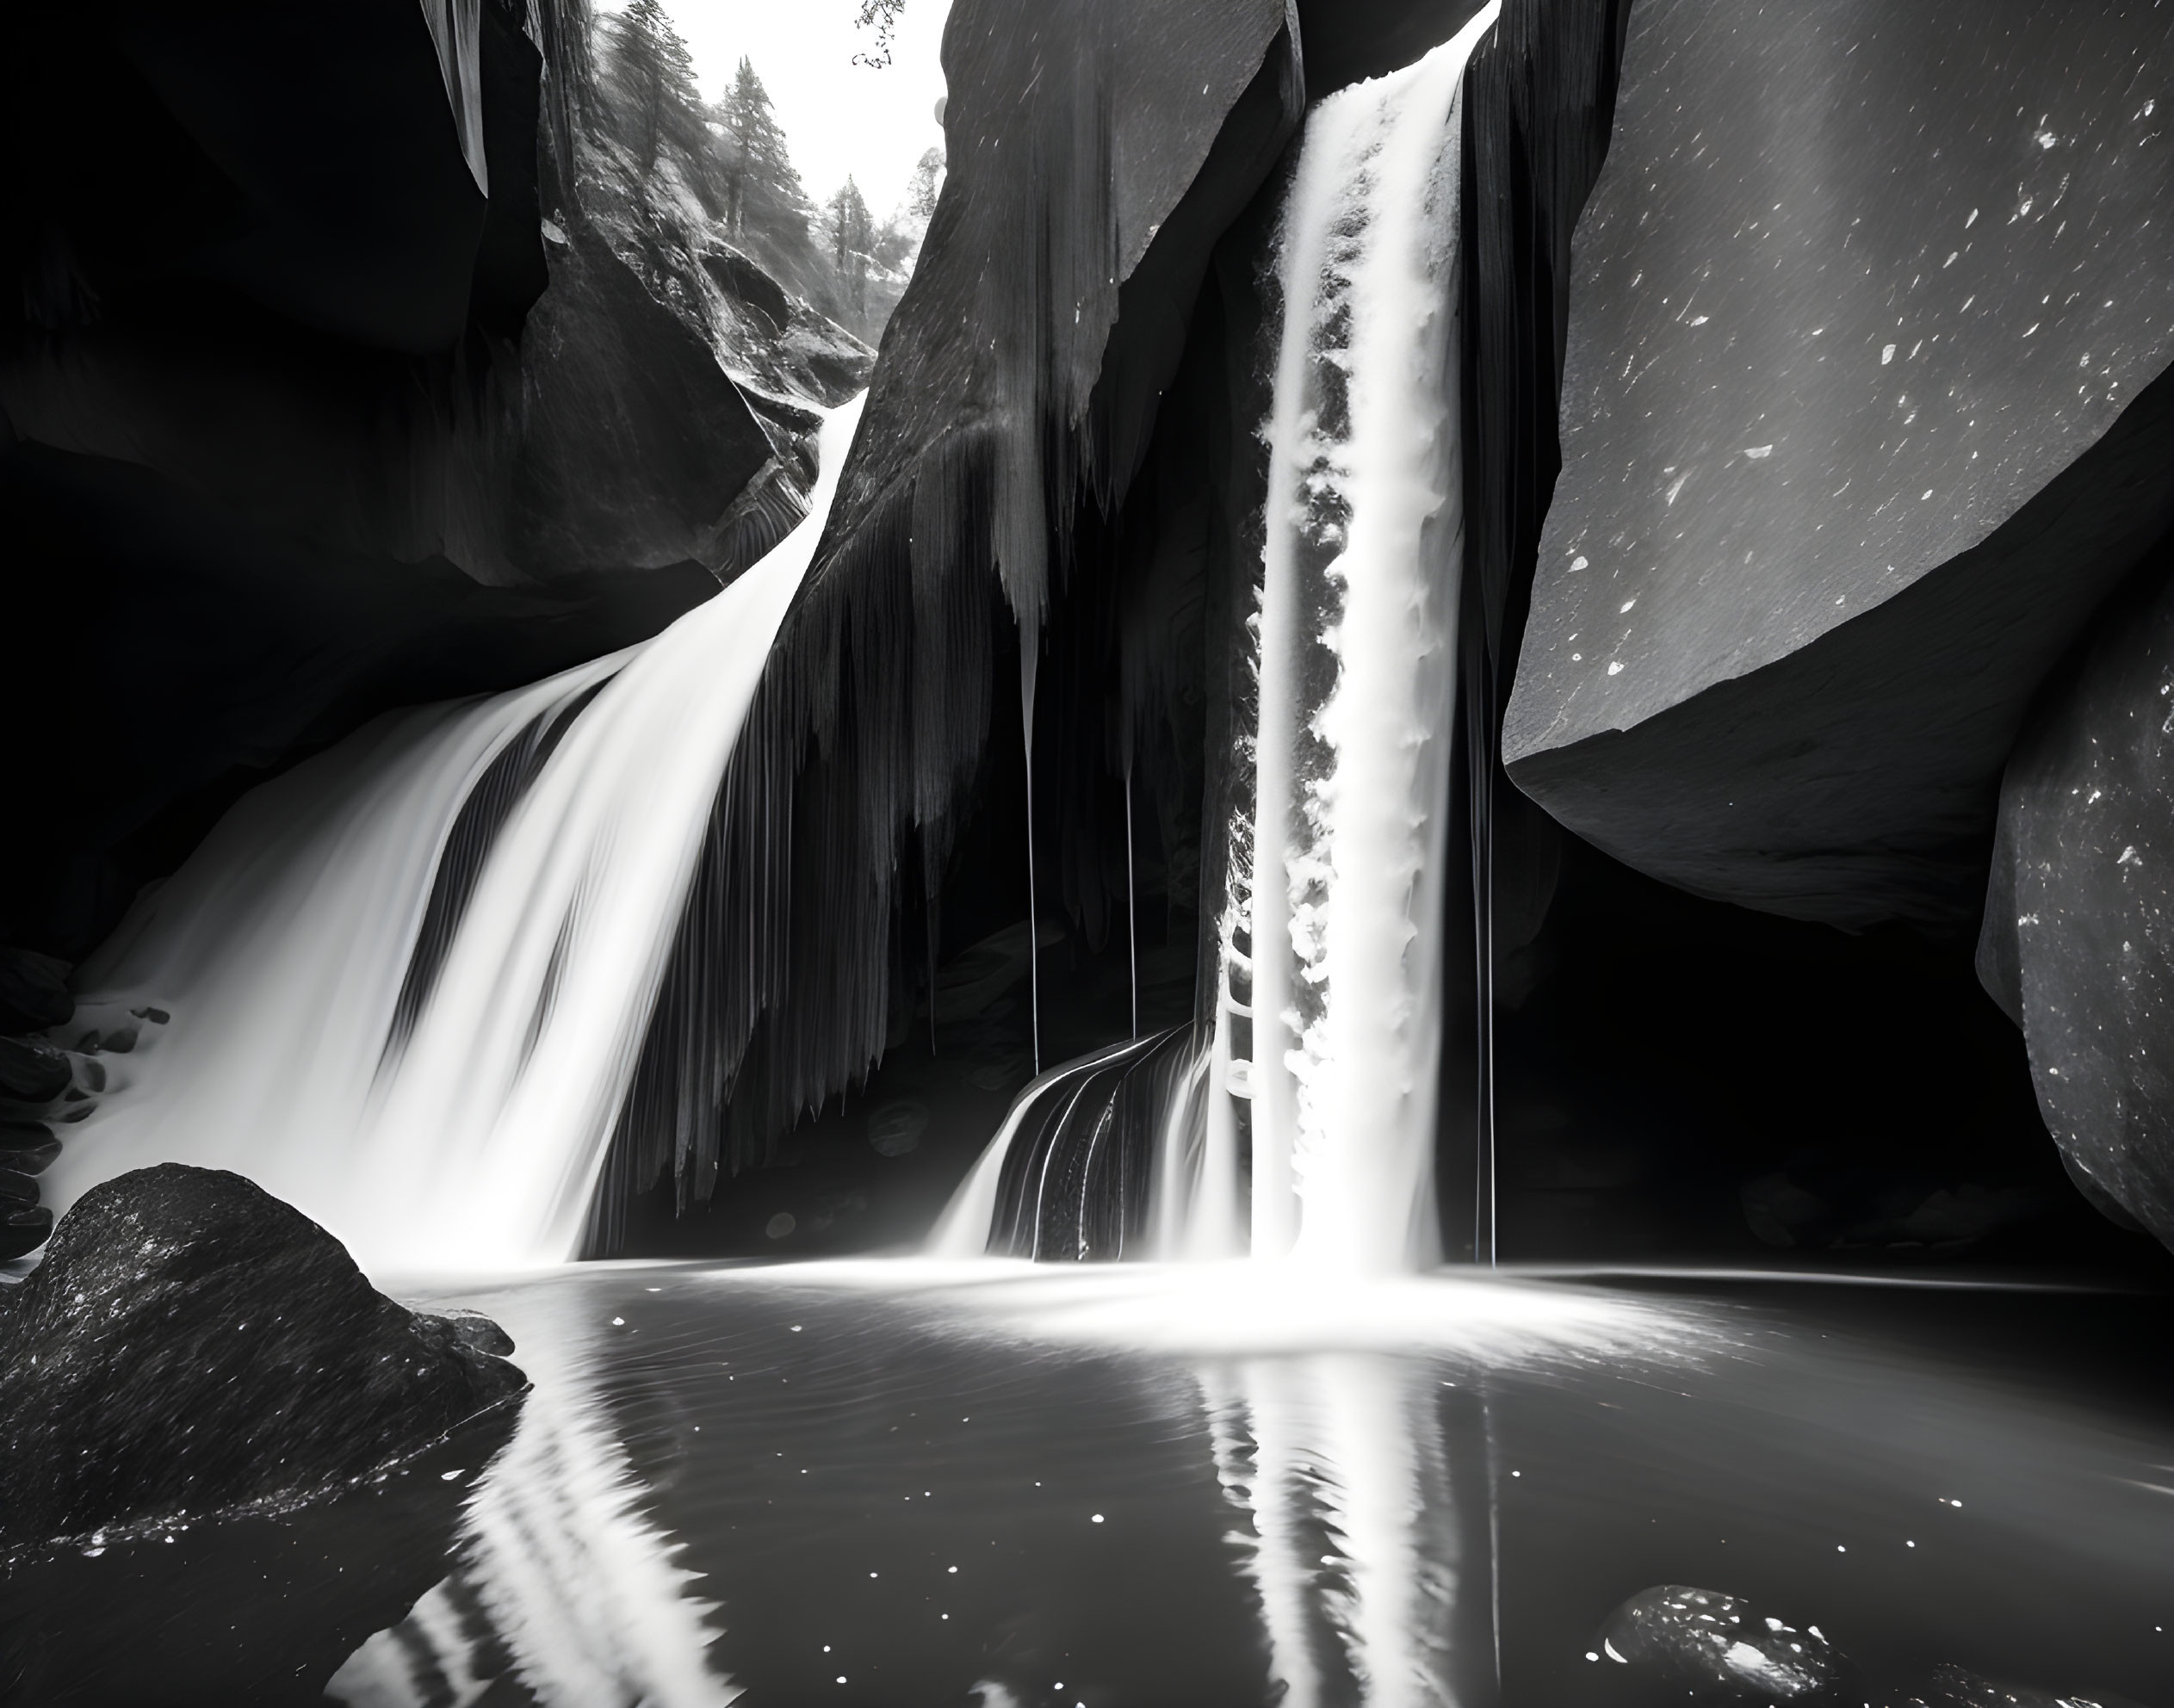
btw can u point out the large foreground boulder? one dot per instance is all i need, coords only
(192, 1346)
(1860, 426)
(2078, 943)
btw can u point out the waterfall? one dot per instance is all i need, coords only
(409, 981)
(1322, 1055)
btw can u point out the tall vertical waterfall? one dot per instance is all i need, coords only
(1319, 1080)
(409, 981)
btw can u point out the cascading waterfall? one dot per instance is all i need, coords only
(1322, 1056)
(418, 1032)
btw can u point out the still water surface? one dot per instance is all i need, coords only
(877, 1485)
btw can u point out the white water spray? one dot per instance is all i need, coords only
(1326, 1046)
(1350, 820)
(281, 947)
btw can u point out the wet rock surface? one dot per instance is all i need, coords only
(32, 1071)
(2077, 942)
(1716, 1648)
(1860, 424)
(191, 1346)
(1957, 1688)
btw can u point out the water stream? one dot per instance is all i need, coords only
(1314, 1135)
(438, 1083)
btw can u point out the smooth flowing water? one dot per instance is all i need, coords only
(430, 1059)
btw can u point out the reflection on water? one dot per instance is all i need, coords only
(561, 1582)
(905, 1485)
(1338, 1465)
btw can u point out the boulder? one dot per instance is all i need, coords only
(633, 443)
(192, 1346)
(2078, 943)
(34, 992)
(1863, 418)
(1716, 1648)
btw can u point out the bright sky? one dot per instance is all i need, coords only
(839, 118)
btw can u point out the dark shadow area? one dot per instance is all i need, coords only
(1686, 1081)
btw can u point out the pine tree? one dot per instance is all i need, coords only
(851, 231)
(751, 158)
(654, 80)
(928, 181)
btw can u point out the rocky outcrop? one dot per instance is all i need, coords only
(2078, 943)
(192, 1347)
(1019, 387)
(636, 442)
(345, 370)
(1852, 448)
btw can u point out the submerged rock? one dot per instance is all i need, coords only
(191, 1346)
(1851, 450)
(1953, 1687)
(2077, 944)
(1719, 1649)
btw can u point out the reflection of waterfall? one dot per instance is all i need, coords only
(410, 980)
(561, 1583)
(1337, 1462)
(1322, 1058)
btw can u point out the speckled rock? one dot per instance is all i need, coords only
(1716, 1648)
(1955, 1687)
(192, 1346)
(2077, 942)
(1859, 426)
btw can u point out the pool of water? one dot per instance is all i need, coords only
(876, 1485)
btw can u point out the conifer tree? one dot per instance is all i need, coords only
(928, 181)
(654, 80)
(851, 233)
(751, 158)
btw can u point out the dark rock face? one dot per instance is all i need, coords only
(224, 649)
(34, 992)
(31, 1072)
(2078, 943)
(1852, 447)
(1010, 411)
(1348, 40)
(637, 441)
(299, 423)
(1716, 1648)
(192, 1345)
